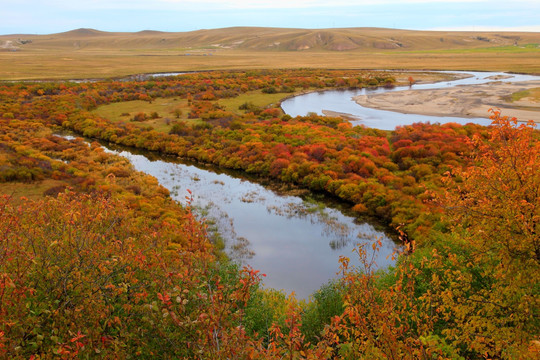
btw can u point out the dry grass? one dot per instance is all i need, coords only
(32, 191)
(90, 54)
(273, 39)
(26, 65)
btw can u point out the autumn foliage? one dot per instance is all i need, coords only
(384, 176)
(102, 263)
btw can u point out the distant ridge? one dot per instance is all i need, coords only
(278, 39)
(84, 32)
(149, 32)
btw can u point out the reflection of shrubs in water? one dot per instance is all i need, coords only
(332, 227)
(220, 229)
(241, 249)
(251, 196)
(338, 244)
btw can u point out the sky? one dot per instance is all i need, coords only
(53, 16)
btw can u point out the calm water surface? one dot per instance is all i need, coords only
(341, 101)
(295, 241)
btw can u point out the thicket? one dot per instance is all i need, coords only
(109, 266)
(384, 175)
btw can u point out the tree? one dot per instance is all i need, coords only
(498, 196)
(490, 297)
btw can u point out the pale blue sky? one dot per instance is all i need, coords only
(52, 16)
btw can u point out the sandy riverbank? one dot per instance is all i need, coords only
(464, 101)
(345, 116)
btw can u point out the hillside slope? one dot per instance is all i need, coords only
(275, 39)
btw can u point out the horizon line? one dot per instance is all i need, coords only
(528, 29)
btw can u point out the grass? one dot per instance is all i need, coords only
(164, 107)
(32, 191)
(257, 98)
(117, 63)
(528, 48)
(75, 55)
(532, 94)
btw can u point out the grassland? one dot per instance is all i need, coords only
(168, 111)
(521, 49)
(104, 64)
(88, 53)
(32, 191)
(256, 98)
(171, 110)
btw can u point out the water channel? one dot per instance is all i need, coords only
(341, 101)
(296, 241)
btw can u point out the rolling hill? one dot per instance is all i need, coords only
(270, 39)
(90, 53)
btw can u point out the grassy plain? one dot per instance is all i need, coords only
(257, 98)
(87, 53)
(164, 107)
(110, 64)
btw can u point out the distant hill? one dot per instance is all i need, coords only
(273, 39)
(84, 33)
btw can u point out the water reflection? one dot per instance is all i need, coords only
(341, 101)
(297, 242)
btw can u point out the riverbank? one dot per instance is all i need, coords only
(342, 115)
(469, 101)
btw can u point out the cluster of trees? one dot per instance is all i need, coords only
(380, 174)
(107, 265)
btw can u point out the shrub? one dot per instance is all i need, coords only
(270, 90)
(139, 117)
(327, 302)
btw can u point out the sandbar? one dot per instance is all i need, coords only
(469, 101)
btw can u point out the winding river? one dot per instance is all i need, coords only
(341, 101)
(295, 240)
